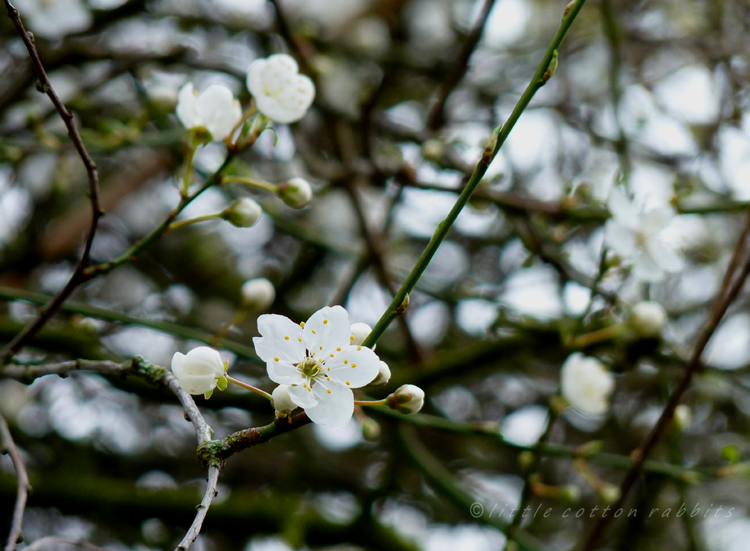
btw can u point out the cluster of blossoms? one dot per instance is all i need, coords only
(586, 384)
(637, 236)
(281, 95)
(315, 363)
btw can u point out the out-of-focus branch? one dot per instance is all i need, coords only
(436, 116)
(59, 540)
(9, 447)
(96, 210)
(734, 280)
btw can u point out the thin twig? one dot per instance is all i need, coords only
(731, 287)
(436, 116)
(9, 446)
(97, 212)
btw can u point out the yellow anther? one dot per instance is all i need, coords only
(359, 348)
(328, 368)
(286, 338)
(302, 324)
(314, 333)
(348, 383)
(346, 361)
(325, 322)
(338, 349)
(354, 365)
(276, 359)
(299, 339)
(351, 338)
(331, 355)
(321, 348)
(329, 391)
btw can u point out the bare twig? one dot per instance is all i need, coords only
(24, 487)
(733, 282)
(96, 210)
(436, 116)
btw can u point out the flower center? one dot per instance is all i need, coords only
(310, 368)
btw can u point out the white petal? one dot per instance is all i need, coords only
(302, 396)
(198, 384)
(280, 93)
(334, 408)
(620, 239)
(187, 107)
(280, 338)
(283, 372)
(255, 77)
(178, 368)
(218, 110)
(357, 365)
(657, 219)
(646, 269)
(622, 208)
(203, 361)
(326, 330)
(664, 256)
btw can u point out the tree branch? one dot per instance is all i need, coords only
(9, 447)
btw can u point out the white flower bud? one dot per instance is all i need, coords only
(647, 318)
(407, 399)
(296, 193)
(586, 384)
(243, 212)
(281, 401)
(214, 109)
(199, 370)
(359, 333)
(280, 93)
(384, 375)
(258, 294)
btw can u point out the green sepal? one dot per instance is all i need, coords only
(221, 383)
(207, 395)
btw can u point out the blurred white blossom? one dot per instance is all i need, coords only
(586, 384)
(280, 93)
(54, 18)
(214, 109)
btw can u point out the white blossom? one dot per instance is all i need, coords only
(407, 399)
(280, 93)
(258, 294)
(296, 193)
(318, 362)
(243, 212)
(360, 331)
(214, 109)
(647, 318)
(199, 370)
(637, 235)
(384, 375)
(54, 18)
(586, 384)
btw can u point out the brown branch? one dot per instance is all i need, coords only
(9, 447)
(96, 210)
(733, 282)
(436, 116)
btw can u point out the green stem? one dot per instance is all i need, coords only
(373, 403)
(611, 332)
(250, 182)
(189, 221)
(248, 387)
(185, 190)
(497, 139)
(135, 250)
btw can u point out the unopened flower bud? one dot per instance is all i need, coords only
(243, 212)
(258, 294)
(360, 331)
(647, 318)
(296, 193)
(609, 494)
(570, 493)
(384, 375)
(407, 399)
(682, 417)
(281, 401)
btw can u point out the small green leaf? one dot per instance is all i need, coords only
(221, 383)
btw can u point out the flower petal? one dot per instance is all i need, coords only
(620, 239)
(302, 396)
(326, 330)
(283, 372)
(218, 110)
(335, 404)
(187, 107)
(280, 338)
(178, 365)
(356, 365)
(622, 208)
(198, 384)
(203, 361)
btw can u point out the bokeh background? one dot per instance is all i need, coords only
(653, 93)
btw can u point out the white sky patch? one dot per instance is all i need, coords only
(475, 316)
(690, 93)
(340, 438)
(525, 426)
(506, 23)
(534, 140)
(729, 348)
(429, 322)
(534, 291)
(465, 537)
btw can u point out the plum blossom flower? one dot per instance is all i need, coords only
(637, 235)
(200, 370)
(586, 384)
(280, 93)
(54, 18)
(214, 109)
(317, 361)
